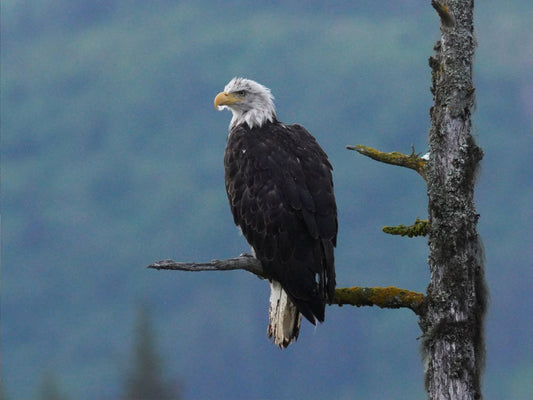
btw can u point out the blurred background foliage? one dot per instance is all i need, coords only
(112, 158)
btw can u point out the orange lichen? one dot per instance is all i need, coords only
(383, 297)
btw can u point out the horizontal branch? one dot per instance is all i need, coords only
(412, 161)
(389, 297)
(383, 297)
(245, 262)
(419, 228)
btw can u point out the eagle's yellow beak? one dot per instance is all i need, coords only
(225, 99)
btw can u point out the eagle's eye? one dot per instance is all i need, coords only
(241, 92)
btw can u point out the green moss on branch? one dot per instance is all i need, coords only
(412, 161)
(419, 228)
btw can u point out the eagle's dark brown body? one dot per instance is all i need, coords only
(280, 191)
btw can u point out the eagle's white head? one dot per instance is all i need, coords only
(249, 101)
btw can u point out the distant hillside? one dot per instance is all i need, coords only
(112, 159)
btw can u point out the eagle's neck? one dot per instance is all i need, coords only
(254, 118)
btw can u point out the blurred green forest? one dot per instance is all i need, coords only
(112, 159)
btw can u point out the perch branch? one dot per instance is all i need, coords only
(412, 161)
(246, 262)
(389, 297)
(419, 228)
(383, 297)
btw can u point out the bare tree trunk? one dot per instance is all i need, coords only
(456, 297)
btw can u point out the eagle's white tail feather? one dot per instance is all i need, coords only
(284, 318)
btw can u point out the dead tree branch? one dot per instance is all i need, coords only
(245, 262)
(412, 161)
(388, 297)
(419, 228)
(383, 297)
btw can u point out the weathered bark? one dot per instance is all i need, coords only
(452, 322)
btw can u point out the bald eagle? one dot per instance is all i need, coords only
(280, 190)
